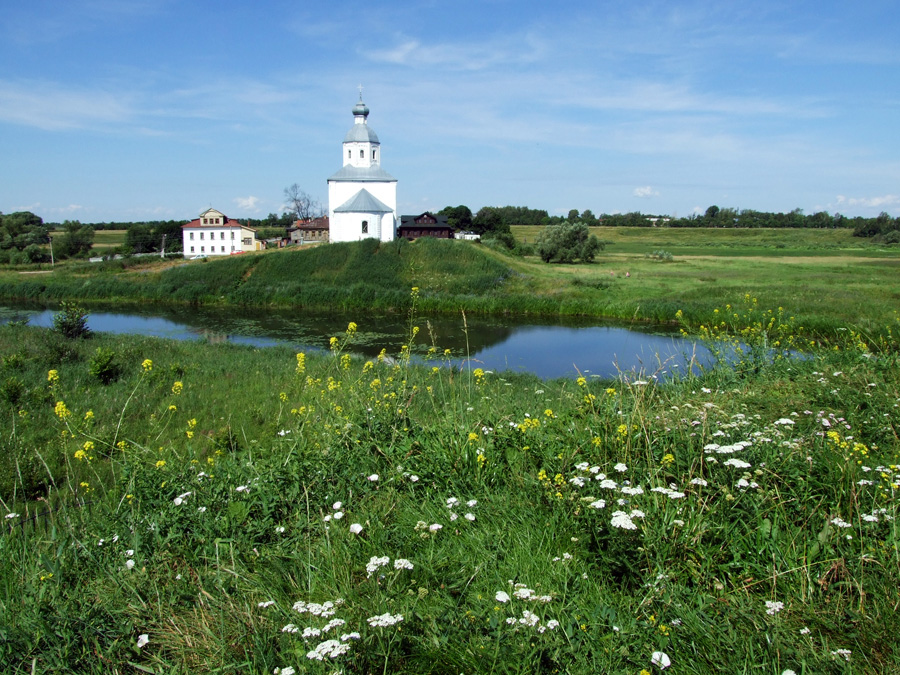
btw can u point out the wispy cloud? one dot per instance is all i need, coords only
(645, 192)
(50, 106)
(250, 203)
(881, 202)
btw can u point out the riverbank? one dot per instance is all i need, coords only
(181, 506)
(823, 287)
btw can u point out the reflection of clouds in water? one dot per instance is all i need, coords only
(545, 350)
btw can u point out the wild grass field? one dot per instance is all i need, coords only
(187, 507)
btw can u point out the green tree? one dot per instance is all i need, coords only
(458, 217)
(77, 240)
(22, 229)
(567, 243)
(488, 220)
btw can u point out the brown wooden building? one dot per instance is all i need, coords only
(424, 225)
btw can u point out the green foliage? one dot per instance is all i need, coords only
(21, 230)
(71, 321)
(660, 255)
(212, 487)
(567, 243)
(76, 241)
(102, 365)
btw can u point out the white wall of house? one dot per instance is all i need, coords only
(217, 241)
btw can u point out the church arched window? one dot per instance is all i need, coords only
(365, 227)
(362, 154)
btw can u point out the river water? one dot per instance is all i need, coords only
(546, 348)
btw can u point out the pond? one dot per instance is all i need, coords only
(546, 348)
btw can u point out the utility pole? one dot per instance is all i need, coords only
(52, 263)
(162, 248)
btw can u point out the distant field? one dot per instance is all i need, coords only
(103, 238)
(731, 242)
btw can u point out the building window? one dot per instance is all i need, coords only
(192, 249)
(246, 241)
(365, 227)
(223, 249)
(362, 154)
(201, 236)
(349, 154)
(222, 235)
(373, 155)
(232, 236)
(192, 236)
(202, 249)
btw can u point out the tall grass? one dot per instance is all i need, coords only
(200, 512)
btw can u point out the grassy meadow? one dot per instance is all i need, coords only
(821, 277)
(187, 507)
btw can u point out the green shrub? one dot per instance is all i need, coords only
(103, 366)
(71, 321)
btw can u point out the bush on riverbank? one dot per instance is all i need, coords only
(222, 507)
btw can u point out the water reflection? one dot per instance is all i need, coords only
(559, 348)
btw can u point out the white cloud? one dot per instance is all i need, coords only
(51, 106)
(250, 203)
(645, 192)
(869, 202)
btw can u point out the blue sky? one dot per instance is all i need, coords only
(159, 109)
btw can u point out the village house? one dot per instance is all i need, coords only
(215, 234)
(425, 225)
(309, 231)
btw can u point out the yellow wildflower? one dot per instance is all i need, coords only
(160, 464)
(89, 415)
(62, 412)
(147, 365)
(53, 377)
(177, 387)
(301, 363)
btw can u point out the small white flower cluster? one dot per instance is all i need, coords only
(384, 620)
(773, 607)
(453, 502)
(532, 620)
(625, 521)
(842, 652)
(330, 649)
(9, 516)
(528, 618)
(324, 610)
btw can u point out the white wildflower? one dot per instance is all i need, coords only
(502, 596)
(661, 660)
(142, 640)
(356, 528)
(773, 607)
(622, 520)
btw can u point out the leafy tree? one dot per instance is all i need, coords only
(573, 215)
(588, 217)
(567, 243)
(487, 220)
(458, 217)
(140, 239)
(77, 240)
(22, 229)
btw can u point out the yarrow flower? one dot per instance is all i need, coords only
(773, 607)
(356, 528)
(622, 520)
(384, 620)
(502, 596)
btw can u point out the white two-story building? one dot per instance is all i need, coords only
(214, 233)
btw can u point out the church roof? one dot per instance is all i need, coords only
(363, 173)
(363, 202)
(361, 133)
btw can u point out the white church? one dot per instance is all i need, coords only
(362, 197)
